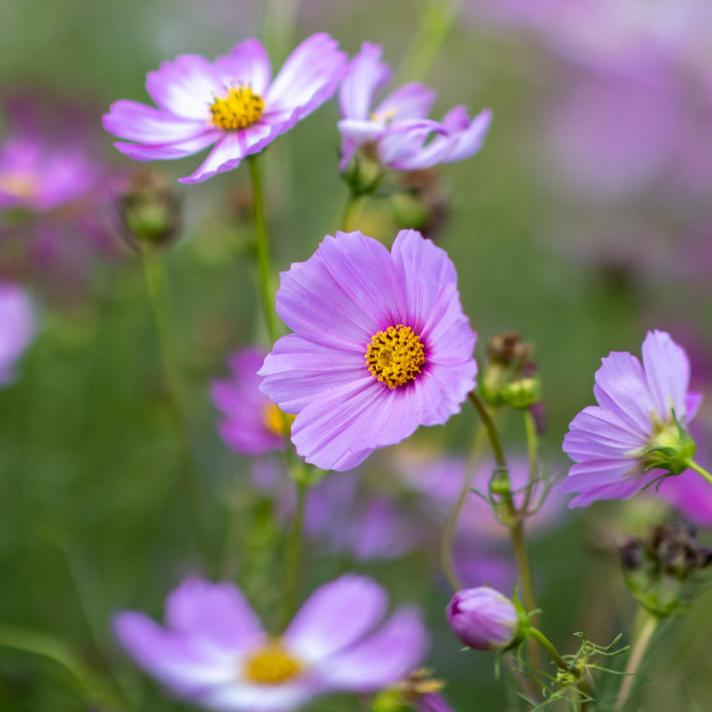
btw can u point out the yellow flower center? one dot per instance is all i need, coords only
(17, 184)
(395, 356)
(271, 665)
(238, 109)
(277, 422)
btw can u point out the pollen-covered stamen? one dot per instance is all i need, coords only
(271, 665)
(239, 108)
(395, 356)
(276, 421)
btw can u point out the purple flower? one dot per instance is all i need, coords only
(380, 346)
(636, 433)
(433, 702)
(17, 327)
(398, 128)
(214, 652)
(230, 103)
(252, 424)
(483, 618)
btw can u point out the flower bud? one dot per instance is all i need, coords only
(484, 619)
(149, 209)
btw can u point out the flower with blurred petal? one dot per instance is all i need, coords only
(483, 619)
(231, 104)
(638, 431)
(380, 346)
(17, 328)
(213, 651)
(397, 129)
(252, 424)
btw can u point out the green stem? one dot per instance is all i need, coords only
(352, 202)
(294, 551)
(645, 627)
(157, 296)
(700, 470)
(491, 429)
(446, 545)
(550, 648)
(436, 21)
(262, 243)
(532, 456)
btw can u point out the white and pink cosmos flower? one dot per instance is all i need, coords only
(232, 104)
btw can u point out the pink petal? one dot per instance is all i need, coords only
(247, 63)
(411, 101)
(365, 76)
(179, 149)
(667, 372)
(144, 124)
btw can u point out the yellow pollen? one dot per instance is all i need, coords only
(238, 109)
(395, 356)
(277, 422)
(18, 185)
(271, 665)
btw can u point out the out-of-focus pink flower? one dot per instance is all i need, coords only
(252, 424)
(397, 128)
(17, 328)
(214, 652)
(231, 103)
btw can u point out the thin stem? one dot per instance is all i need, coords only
(446, 545)
(645, 628)
(262, 242)
(352, 201)
(516, 536)
(532, 456)
(436, 21)
(700, 470)
(294, 551)
(491, 429)
(157, 296)
(550, 648)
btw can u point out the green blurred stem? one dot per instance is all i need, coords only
(263, 259)
(550, 648)
(435, 23)
(645, 626)
(157, 296)
(294, 551)
(700, 470)
(446, 545)
(491, 429)
(350, 206)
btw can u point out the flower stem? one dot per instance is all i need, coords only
(644, 629)
(262, 242)
(294, 550)
(352, 202)
(550, 648)
(491, 429)
(156, 290)
(700, 470)
(446, 544)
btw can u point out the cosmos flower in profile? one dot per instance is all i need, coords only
(397, 129)
(17, 328)
(232, 104)
(214, 652)
(380, 346)
(251, 424)
(638, 431)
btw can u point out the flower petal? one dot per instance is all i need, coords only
(176, 661)
(411, 101)
(667, 372)
(133, 121)
(365, 76)
(215, 612)
(618, 490)
(247, 63)
(178, 149)
(184, 87)
(382, 659)
(335, 616)
(244, 697)
(345, 292)
(309, 76)
(297, 370)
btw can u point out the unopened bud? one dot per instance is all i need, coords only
(484, 619)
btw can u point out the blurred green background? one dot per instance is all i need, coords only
(91, 517)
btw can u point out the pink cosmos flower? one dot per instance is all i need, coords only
(17, 328)
(380, 346)
(398, 128)
(230, 103)
(214, 652)
(252, 424)
(637, 432)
